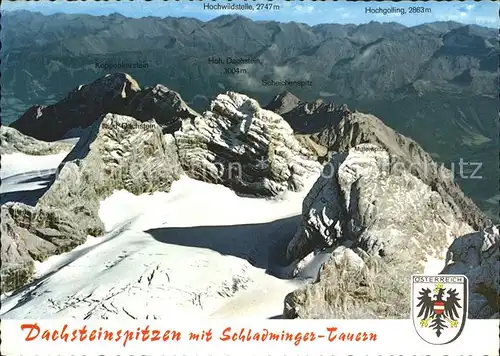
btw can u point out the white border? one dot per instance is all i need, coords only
(394, 337)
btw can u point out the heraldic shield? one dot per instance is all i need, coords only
(439, 307)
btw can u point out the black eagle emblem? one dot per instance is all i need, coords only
(437, 312)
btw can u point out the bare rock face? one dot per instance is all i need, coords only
(319, 151)
(305, 117)
(245, 147)
(118, 152)
(283, 103)
(34, 233)
(20, 246)
(80, 108)
(406, 155)
(12, 141)
(389, 216)
(161, 104)
(477, 256)
(359, 201)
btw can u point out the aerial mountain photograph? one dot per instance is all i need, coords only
(254, 160)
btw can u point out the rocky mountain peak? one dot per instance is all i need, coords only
(162, 104)
(379, 224)
(358, 128)
(241, 145)
(283, 103)
(307, 117)
(80, 108)
(116, 93)
(338, 129)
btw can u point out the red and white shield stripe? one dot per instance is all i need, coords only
(438, 307)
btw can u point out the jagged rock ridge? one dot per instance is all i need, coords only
(306, 117)
(239, 144)
(283, 103)
(116, 93)
(337, 130)
(163, 105)
(80, 109)
(407, 155)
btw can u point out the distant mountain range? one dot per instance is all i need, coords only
(47, 56)
(436, 83)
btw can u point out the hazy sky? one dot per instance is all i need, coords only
(484, 13)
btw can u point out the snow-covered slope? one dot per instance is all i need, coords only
(17, 163)
(24, 177)
(199, 251)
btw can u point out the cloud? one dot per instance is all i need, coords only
(286, 72)
(392, 14)
(471, 13)
(248, 82)
(482, 20)
(283, 72)
(448, 17)
(465, 10)
(189, 7)
(303, 9)
(487, 21)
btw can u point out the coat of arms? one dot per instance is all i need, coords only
(439, 307)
